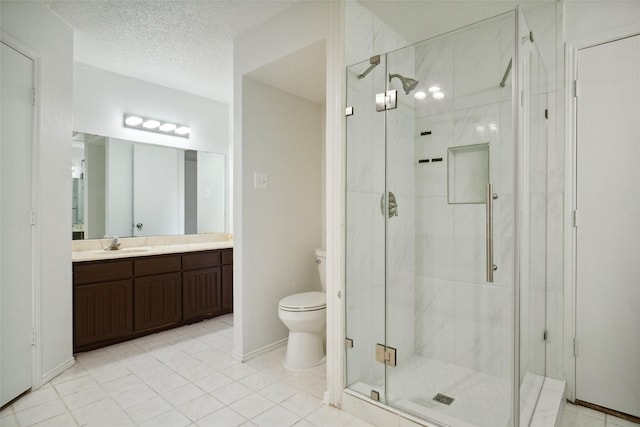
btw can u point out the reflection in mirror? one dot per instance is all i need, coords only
(126, 188)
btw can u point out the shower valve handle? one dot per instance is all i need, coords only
(392, 207)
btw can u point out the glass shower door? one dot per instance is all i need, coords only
(533, 229)
(365, 245)
(450, 159)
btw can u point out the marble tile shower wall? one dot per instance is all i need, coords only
(459, 317)
(366, 36)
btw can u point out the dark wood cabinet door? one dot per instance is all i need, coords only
(158, 301)
(201, 293)
(227, 289)
(101, 312)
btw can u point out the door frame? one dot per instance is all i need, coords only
(36, 282)
(570, 198)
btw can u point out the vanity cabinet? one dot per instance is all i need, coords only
(227, 281)
(117, 300)
(157, 292)
(102, 301)
(207, 284)
(202, 288)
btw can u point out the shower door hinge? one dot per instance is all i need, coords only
(575, 218)
(386, 355)
(544, 336)
(387, 100)
(348, 343)
(575, 88)
(546, 113)
(575, 346)
(348, 111)
(33, 96)
(34, 337)
(33, 217)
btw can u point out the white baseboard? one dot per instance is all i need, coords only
(255, 353)
(58, 370)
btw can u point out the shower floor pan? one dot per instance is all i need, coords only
(480, 400)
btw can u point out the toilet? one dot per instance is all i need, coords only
(305, 314)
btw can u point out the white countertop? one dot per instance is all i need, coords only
(136, 248)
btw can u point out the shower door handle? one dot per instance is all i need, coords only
(491, 267)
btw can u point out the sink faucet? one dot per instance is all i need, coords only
(115, 245)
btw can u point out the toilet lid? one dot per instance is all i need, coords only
(305, 301)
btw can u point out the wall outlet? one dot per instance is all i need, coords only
(260, 181)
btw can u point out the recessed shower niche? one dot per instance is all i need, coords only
(467, 173)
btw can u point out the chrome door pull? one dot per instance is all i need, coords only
(491, 267)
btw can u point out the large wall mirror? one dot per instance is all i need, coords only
(126, 188)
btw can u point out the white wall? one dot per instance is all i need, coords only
(282, 225)
(51, 40)
(258, 233)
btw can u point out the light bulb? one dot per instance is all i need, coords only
(168, 127)
(183, 130)
(133, 120)
(150, 124)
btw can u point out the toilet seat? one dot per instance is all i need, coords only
(305, 301)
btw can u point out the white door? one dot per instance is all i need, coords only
(15, 227)
(158, 191)
(608, 226)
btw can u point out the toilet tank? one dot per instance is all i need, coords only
(321, 259)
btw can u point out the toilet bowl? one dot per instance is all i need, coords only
(305, 314)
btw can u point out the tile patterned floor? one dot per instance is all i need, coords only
(177, 378)
(579, 416)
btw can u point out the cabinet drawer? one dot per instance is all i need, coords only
(157, 265)
(107, 271)
(199, 260)
(227, 256)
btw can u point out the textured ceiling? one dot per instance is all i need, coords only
(185, 45)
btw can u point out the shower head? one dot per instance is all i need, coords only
(408, 84)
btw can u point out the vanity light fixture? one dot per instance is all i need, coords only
(164, 127)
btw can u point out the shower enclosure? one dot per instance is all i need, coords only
(445, 240)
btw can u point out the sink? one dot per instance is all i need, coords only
(122, 251)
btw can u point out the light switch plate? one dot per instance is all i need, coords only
(260, 181)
